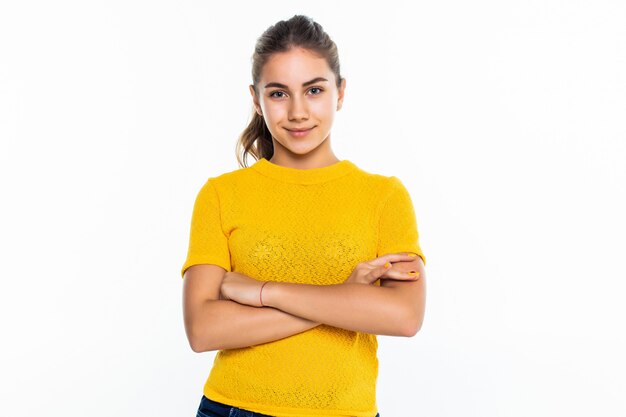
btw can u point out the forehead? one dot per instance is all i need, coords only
(295, 67)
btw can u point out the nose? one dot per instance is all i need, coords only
(298, 109)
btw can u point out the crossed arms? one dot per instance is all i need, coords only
(395, 308)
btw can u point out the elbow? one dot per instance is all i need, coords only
(200, 345)
(412, 330)
(196, 343)
(197, 346)
(199, 342)
(194, 337)
(201, 334)
(412, 324)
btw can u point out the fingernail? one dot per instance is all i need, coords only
(387, 265)
(413, 273)
(412, 254)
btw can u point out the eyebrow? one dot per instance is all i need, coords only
(279, 85)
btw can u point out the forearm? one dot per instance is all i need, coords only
(225, 324)
(357, 307)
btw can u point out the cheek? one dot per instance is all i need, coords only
(324, 107)
(274, 111)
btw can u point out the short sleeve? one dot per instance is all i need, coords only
(207, 242)
(398, 226)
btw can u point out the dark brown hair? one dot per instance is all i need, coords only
(299, 31)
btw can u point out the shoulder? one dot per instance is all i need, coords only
(384, 182)
(388, 182)
(226, 181)
(390, 190)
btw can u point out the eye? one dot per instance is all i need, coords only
(316, 88)
(275, 92)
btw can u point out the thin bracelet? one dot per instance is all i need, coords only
(261, 293)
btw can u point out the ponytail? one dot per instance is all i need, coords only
(248, 143)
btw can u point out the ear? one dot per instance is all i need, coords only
(255, 101)
(342, 88)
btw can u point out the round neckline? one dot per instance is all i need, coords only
(303, 176)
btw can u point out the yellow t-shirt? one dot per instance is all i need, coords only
(311, 226)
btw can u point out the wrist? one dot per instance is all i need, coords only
(263, 294)
(268, 293)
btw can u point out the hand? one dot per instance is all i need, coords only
(369, 271)
(241, 289)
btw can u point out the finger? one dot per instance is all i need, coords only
(380, 271)
(392, 257)
(402, 275)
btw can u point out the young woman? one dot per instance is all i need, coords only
(297, 262)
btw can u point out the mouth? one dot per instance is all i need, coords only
(300, 130)
(298, 133)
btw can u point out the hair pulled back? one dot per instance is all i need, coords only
(299, 31)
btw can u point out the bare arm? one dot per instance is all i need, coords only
(357, 307)
(212, 324)
(394, 308)
(225, 324)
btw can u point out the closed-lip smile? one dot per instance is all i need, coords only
(300, 130)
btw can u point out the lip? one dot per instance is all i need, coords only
(298, 133)
(299, 130)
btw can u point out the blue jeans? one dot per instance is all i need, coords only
(210, 408)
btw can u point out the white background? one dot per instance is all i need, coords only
(505, 120)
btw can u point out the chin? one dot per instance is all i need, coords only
(305, 149)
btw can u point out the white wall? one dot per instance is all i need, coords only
(505, 120)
